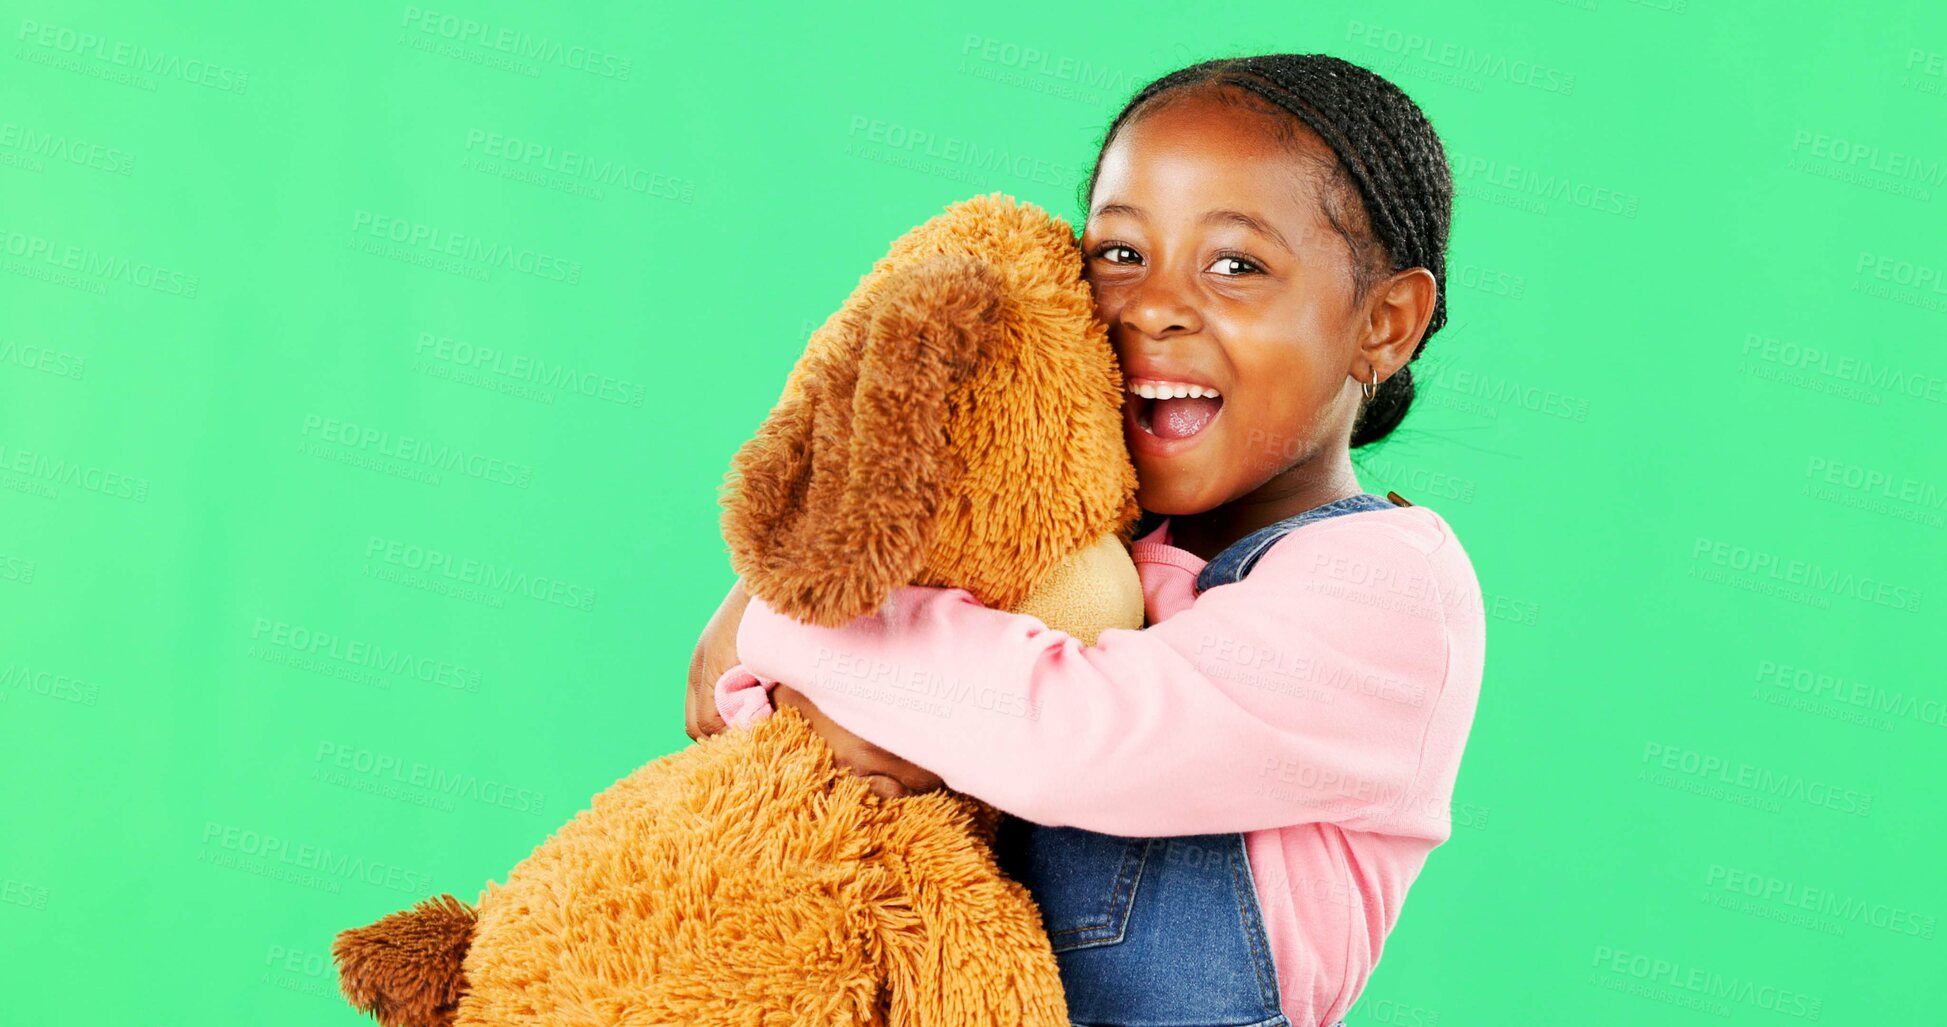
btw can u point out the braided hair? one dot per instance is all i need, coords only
(1387, 155)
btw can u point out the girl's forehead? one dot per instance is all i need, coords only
(1177, 187)
(1203, 126)
(1184, 159)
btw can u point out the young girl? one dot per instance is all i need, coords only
(1219, 815)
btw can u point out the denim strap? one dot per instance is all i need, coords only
(1240, 556)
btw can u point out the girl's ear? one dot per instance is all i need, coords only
(833, 504)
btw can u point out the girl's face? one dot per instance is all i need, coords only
(1215, 269)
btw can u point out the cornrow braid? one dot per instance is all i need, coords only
(1388, 154)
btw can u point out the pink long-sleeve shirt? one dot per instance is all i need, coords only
(1319, 705)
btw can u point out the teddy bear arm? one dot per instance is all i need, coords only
(1095, 588)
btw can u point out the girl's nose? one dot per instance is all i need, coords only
(1158, 308)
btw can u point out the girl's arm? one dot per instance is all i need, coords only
(1318, 689)
(722, 695)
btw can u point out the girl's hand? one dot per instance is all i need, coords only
(716, 652)
(887, 775)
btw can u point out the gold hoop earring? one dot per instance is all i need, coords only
(1369, 391)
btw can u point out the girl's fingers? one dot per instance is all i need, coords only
(884, 786)
(885, 774)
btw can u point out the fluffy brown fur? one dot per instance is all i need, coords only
(407, 968)
(703, 871)
(975, 341)
(957, 422)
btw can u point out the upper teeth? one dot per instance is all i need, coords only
(1170, 390)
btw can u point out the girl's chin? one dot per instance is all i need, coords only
(1162, 490)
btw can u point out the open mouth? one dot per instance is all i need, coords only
(1173, 410)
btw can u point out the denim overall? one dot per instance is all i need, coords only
(1159, 932)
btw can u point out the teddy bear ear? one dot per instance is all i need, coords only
(834, 503)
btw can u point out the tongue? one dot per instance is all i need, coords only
(1182, 417)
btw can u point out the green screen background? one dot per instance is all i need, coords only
(1687, 419)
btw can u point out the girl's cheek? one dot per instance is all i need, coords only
(1106, 306)
(1274, 430)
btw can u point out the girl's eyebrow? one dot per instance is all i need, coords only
(1235, 217)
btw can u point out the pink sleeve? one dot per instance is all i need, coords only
(1307, 692)
(742, 698)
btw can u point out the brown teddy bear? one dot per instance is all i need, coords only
(956, 423)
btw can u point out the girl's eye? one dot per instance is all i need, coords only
(1236, 262)
(1233, 266)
